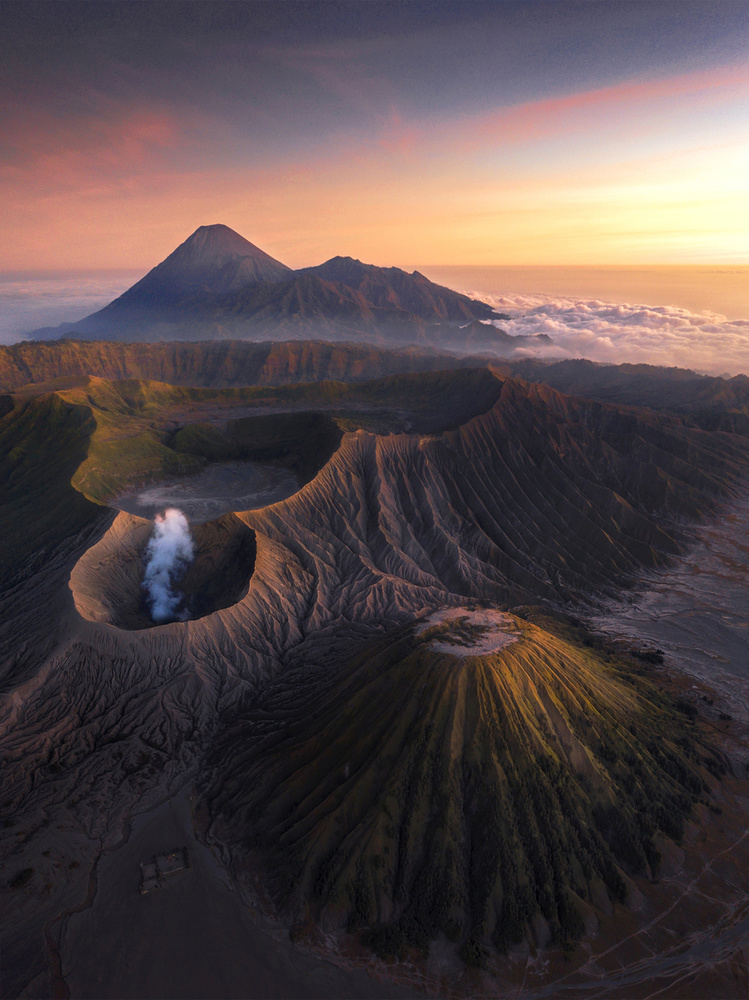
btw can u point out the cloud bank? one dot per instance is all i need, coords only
(27, 303)
(616, 333)
(169, 552)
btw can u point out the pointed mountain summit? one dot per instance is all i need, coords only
(214, 259)
(214, 262)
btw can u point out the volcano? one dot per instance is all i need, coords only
(213, 259)
(217, 285)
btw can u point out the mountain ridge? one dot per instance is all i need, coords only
(217, 285)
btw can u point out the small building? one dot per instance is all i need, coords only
(173, 862)
(161, 866)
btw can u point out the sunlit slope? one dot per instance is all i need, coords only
(135, 440)
(420, 792)
(541, 496)
(93, 438)
(532, 492)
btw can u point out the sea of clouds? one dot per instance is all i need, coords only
(617, 333)
(579, 327)
(27, 303)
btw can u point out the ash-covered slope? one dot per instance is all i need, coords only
(217, 285)
(541, 496)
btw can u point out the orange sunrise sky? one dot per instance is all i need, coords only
(462, 133)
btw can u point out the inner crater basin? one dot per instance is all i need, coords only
(107, 581)
(217, 490)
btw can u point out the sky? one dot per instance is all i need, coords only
(489, 133)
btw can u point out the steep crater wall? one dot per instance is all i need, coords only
(107, 580)
(301, 442)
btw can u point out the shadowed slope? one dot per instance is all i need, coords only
(708, 401)
(218, 363)
(42, 444)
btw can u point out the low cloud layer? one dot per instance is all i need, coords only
(169, 552)
(618, 333)
(27, 303)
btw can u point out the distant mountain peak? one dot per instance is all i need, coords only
(217, 283)
(219, 235)
(214, 259)
(219, 243)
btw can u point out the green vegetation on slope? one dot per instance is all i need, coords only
(42, 443)
(422, 793)
(134, 441)
(93, 439)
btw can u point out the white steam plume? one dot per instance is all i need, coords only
(168, 554)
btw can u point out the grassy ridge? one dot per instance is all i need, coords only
(92, 439)
(134, 440)
(42, 444)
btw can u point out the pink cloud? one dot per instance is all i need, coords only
(620, 105)
(537, 119)
(126, 131)
(47, 154)
(399, 138)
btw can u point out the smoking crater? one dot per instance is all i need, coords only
(169, 552)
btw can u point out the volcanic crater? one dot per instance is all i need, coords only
(107, 581)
